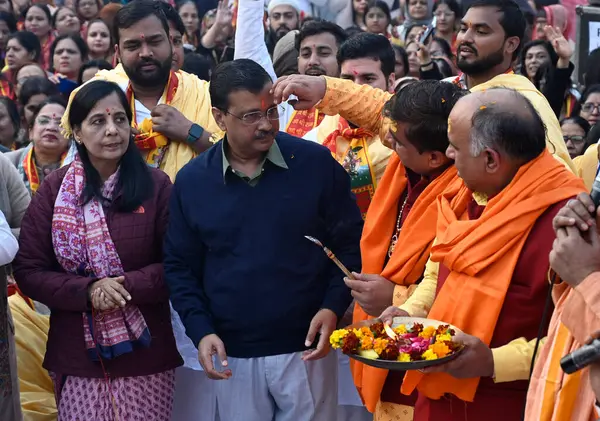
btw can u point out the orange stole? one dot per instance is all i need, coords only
(303, 121)
(355, 160)
(407, 263)
(481, 255)
(31, 170)
(150, 142)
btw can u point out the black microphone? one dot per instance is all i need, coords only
(581, 358)
(595, 193)
(590, 353)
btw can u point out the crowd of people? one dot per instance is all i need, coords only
(162, 162)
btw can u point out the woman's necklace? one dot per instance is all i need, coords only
(396, 235)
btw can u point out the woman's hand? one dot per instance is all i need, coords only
(108, 293)
(561, 46)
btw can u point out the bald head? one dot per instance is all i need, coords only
(501, 119)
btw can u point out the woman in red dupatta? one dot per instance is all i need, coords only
(91, 250)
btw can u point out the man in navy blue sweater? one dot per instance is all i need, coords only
(248, 286)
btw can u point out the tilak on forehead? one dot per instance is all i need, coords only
(107, 111)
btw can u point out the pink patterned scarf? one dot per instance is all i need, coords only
(83, 246)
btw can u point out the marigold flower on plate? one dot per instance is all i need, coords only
(379, 345)
(337, 338)
(429, 355)
(440, 349)
(446, 337)
(400, 330)
(404, 358)
(427, 332)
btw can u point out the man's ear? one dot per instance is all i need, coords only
(219, 116)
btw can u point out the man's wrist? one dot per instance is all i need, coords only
(194, 133)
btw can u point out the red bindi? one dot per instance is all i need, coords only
(142, 36)
(108, 111)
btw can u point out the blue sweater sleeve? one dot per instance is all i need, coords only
(183, 265)
(344, 228)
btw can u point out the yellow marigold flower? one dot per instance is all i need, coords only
(440, 349)
(363, 332)
(428, 332)
(404, 358)
(429, 355)
(337, 338)
(446, 337)
(400, 330)
(379, 345)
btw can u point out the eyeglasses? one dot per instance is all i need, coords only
(46, 121)
(255, 116)
(439, 14)
(574, 139)
(590, 107)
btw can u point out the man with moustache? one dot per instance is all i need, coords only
(284, 16)
(171, 109)
(249, 287)
(489, 40)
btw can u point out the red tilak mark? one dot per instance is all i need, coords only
(53, 115)
(108, 111)
(355, 72)
(262, 103)
(142, 36)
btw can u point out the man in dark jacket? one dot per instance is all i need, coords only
(248, 285)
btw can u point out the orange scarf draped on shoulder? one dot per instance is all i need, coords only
(481, 255)
(407, 263)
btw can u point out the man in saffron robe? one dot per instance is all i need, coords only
(487, 273)
(171, 109)
(575, 257)
(489, 40)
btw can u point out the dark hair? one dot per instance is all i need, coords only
(593, 89)
(425, 107)
(500, 125)
(135, 11)
(319, 26)
(10, 20)
(43, 8)
(29, 41)
(76, 7)
(135, 181)
(445, 46)
(537, 42)
(452, 5)
(353, 30)
(237, 75)
(55, 16)
(173, 16)
(368, 45)
(36, 85)
(54, 99)
(100, 64)
(13, 112)
(378, 4)
(592, 68)
(403, 58)
(443, 66)
(198, 65)
(580, 121)
(80, 43)
(513, 20)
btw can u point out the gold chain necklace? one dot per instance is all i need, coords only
(395, 237)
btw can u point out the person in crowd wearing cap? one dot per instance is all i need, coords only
(284, 16)
(317, 41)
(285, 55)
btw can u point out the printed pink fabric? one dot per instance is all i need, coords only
(144, 398)
(83, 245)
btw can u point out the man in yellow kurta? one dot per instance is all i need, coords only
(490, 38)
(171, 110)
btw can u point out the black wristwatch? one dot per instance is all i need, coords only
(195, 133)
